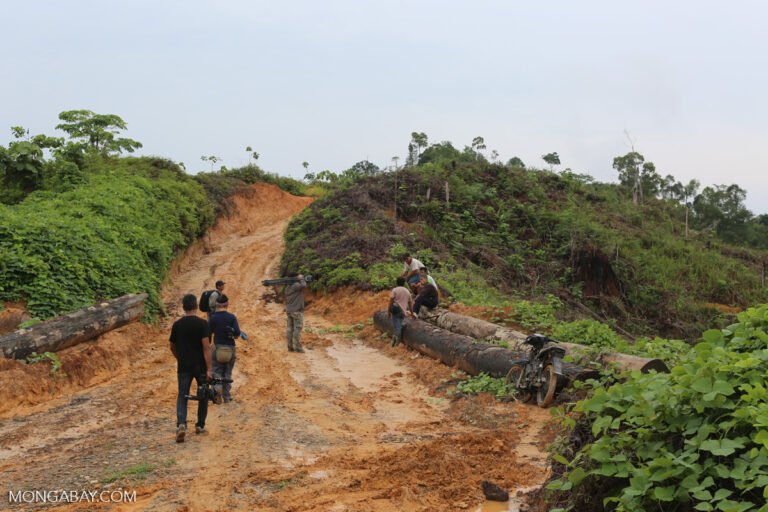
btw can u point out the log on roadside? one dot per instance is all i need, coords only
(463, 352)
(480, 329)
(73, 328)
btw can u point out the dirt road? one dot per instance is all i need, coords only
(352, 424)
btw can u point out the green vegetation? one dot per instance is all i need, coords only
(81, 225)
(137, 472)
(485, 383)
(34, 357)
(504, 231)
(696, 438)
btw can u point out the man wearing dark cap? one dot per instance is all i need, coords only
(225, 330)
(189, 345)
(213, 297)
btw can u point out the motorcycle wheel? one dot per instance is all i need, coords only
(513, 375)
(545, 395)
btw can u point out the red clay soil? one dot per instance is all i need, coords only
(353, 424)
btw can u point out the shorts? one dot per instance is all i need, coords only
(414, 279)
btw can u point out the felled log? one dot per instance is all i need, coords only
(463, 352)
(73, 328)
(473, 327)
(482, 330)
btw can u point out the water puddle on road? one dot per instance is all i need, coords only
(513, 505)
(366, 367)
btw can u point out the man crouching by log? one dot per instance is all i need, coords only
(190, 347)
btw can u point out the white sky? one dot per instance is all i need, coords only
(334, 82)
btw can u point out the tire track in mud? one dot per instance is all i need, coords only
(349, 425)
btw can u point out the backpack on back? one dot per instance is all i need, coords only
(204, 298)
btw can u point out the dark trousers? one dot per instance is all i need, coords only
(397, 322)
(223, 371)
(185, 381)
(423, 301)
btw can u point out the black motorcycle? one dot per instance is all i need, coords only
(541, 373)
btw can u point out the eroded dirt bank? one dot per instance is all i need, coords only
(352, 424)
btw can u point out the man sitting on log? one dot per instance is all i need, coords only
(427, 296)
(424, 271)
(411, 268)
(400, 301)
(190, 347)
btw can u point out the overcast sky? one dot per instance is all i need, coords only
(334, 82)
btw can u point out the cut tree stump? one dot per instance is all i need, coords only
(482, 330)
(73, 328)
(463, 352)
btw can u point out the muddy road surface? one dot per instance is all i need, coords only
(350, 425)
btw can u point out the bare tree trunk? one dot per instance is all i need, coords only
(73, 328)
(447, 195)
(482, 330)
(395, 207)
(634, 191)
(429, 192)
(686, 220)
(463, 352)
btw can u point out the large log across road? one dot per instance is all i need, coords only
(73, 328)
(482, 330)
(463, 352)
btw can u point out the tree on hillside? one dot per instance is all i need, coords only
(309, 176)
(722, 207)
(362, 168)
(212, 159)
(418, 142)
(515, 162)
(253, 154)
(99, 131)
(628, 167)
(21, 170)
(478, 144)
(552, 159)
(686, 193)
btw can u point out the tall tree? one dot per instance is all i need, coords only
(686, 192)
(99, 131)
(253, 154)
(478, 144)
(515, 162)
(722, 206)
(628, 167)
(552, 159)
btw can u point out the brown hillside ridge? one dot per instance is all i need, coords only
(351, 424)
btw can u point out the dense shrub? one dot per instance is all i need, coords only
(102, 239)
(694, 439)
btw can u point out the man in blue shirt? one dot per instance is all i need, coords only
(225, 330)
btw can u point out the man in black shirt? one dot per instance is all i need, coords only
(190, 346)
(427, 296)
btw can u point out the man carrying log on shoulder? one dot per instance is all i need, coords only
(294, 308)
(427, 296)
(411, 268)
(190, 347)
(400, 301)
